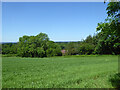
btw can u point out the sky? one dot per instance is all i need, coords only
(61, 21)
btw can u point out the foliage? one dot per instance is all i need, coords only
(89, 39)
(37, 46)
(34, 46)
(71, 48)
(86, 48)
(115, 80)
(9, 48)
(0, 48)
(109, 42)
(53, 49)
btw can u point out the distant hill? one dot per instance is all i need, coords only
(54, 41)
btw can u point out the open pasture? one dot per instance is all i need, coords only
(59, 72)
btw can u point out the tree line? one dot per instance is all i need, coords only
(106, 41)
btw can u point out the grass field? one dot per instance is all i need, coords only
(59, 72)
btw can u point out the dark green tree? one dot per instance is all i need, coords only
(109, 31)
(89, 39)
(86, 48)
(37, 46)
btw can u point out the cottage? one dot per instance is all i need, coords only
(63, 52)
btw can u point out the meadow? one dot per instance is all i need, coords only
(59, 72)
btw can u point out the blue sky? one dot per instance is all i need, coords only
(61, 21)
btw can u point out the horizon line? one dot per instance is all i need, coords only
(50, 40)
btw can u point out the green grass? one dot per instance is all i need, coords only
(59, 72)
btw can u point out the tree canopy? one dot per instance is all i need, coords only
(109, 42)
(37, 46)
